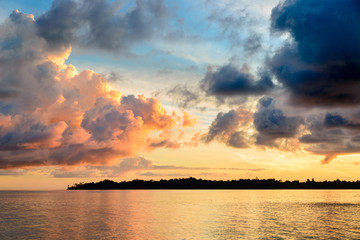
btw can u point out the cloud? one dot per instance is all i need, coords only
(113, 76)
(171, 167)
(328, 158)
(224, 85)
(134, 164)
(188, 120)
(108, 25)
(229, 128)
(229, 81)
(32, 135)
(125, 165)
(119, 129)
(50, 114)
(315, 67)
(237, 26)
(20, 45)
(313, 75)
(152, 174)
(336, 120)
(13, 162)
(184, 96)
(332, 134)
(11, 172)
(272, 124)
(320, 64)
(164, 143)
(320, 138)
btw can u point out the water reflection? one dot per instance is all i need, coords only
(181, 214)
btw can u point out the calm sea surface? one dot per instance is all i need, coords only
(180, 214)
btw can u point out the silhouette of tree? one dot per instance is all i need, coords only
(193, 183)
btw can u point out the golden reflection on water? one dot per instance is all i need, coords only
(181, 214)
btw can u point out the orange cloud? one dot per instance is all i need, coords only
(57, 116)
(188, 120)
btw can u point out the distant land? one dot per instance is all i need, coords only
(193, 183)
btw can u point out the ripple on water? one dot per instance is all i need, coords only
(180, 214)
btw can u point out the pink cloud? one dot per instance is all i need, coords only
(53, 115)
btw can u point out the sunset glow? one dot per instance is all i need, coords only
(122, 90)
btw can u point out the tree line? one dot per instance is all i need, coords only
(193, 183)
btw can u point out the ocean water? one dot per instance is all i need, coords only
(180, 214)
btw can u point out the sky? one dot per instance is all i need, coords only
(140, 89)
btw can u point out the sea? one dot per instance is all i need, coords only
(180, 214)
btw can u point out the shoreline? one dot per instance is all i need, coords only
(200, 184)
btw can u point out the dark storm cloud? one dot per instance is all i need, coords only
(321, 131)
(336, 120)
(229, 81)
(318, 66)
(355, 139)
(319, 138)
(272, 124)
(332, 134)
(102, 24)
(7, 93)
(321, 65)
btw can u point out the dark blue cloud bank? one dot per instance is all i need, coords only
(317, 68)
(321, 66)
(228, 80)
(272, 124)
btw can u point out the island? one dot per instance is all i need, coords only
(193, 183)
